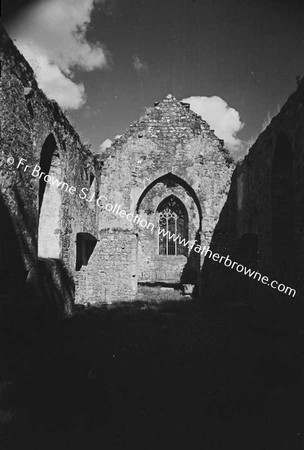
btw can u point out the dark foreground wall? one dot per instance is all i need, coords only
(262, 223)
(39, 222)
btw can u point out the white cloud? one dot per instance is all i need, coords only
(52, 80)
(138, 64)
(224, 120)
(106, 144)
(52, 36)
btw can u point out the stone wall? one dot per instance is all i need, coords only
(169, 151)
(266, 204)
(31, 123)
(111, 271)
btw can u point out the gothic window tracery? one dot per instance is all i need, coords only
(173, 220)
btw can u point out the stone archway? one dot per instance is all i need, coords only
(168, 267)
(49, 226)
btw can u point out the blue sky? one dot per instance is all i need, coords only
(106, 60)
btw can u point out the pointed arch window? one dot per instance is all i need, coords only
(49, 225)
(173, 220)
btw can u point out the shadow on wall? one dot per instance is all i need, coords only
(42, 286)
(191, 271)
(218, 281)
(48, 283)
(50, 287)
(283, 211)
(276, 258)
(12, 269)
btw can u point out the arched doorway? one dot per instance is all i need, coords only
(85, 244)
(172, 206)
(49, 227)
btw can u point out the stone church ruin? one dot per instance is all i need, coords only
(168, 169)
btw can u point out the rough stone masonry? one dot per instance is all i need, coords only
(169, 169)
(170, 153)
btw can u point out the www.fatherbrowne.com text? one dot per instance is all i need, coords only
(205, 251)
